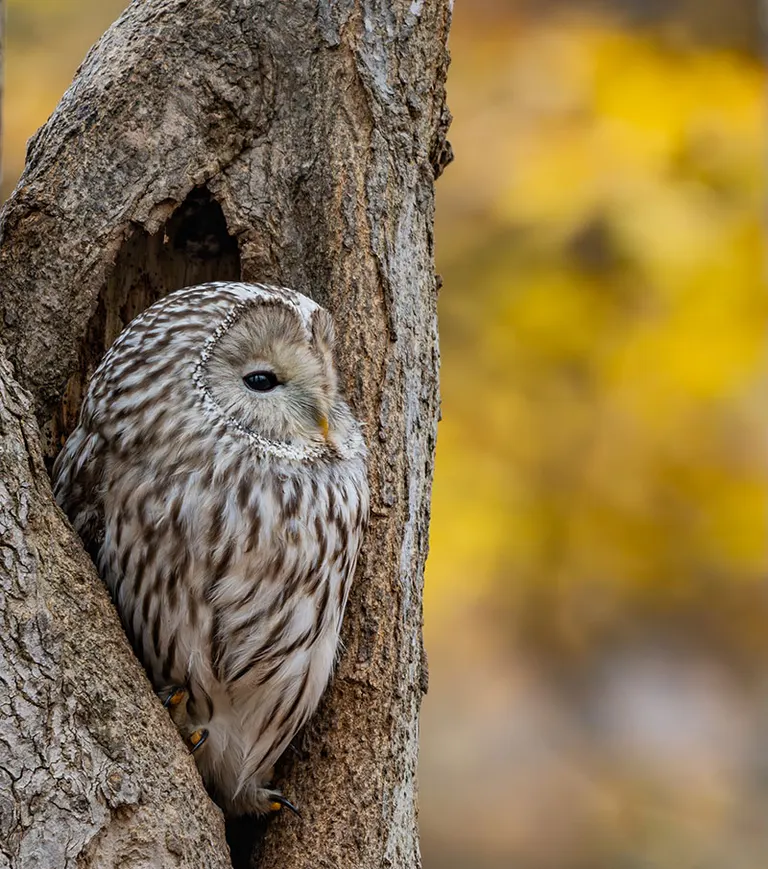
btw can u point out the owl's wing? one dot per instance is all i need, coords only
(77, 478)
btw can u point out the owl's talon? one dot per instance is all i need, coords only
(279, 801)
(196, 739)
(177, 695)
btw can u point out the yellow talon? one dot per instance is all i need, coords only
(280, 802)
(196, 739)
(177, 697)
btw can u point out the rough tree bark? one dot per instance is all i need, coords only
(294, 143)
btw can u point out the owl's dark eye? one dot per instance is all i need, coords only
(261, 381)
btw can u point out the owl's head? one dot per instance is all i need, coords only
(272, 371)
(261, 360)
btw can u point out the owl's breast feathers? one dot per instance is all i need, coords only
(238, 589)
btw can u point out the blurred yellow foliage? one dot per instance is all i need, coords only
(600, 458)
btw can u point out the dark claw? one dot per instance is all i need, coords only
(196, 745)
(279, 798)
(175, 697)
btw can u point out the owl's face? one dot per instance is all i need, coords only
(267, 373)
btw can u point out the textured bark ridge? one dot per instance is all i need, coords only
(292, 143)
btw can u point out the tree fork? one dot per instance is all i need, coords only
(247, 139)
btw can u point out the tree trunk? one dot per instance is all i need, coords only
(291, 143)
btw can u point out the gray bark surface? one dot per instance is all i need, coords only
(286, 143)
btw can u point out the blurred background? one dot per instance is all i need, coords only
(597, 594)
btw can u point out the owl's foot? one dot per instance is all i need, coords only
(176, 702)
(259, 800)
(196, 739)
(278, 802)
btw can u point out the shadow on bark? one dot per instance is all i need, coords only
(192, 247)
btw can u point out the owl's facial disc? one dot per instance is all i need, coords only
(268, 375)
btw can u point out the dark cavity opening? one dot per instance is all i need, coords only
(193, 247)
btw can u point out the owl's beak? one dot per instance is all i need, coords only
(322, 422)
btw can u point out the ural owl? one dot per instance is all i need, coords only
(219, 478)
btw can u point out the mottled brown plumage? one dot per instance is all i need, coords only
(219, 478)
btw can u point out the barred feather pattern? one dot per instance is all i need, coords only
(228, 549)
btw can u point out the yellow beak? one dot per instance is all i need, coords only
(322, 422)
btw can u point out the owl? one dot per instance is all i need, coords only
(218, 477)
